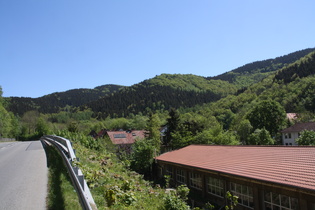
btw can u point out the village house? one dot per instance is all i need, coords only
(263, 177)
(125, 139)
(289, 135)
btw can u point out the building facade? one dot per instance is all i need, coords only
(261, 177)
(289, 135)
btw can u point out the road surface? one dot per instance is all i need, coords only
(23, 176)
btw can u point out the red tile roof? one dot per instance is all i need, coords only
(293, 166)
(300, 127)
(125, 137)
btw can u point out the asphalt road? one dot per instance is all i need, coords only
(23, 176)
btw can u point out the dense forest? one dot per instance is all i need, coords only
(55, 102)
(161, 93)
(253, 72)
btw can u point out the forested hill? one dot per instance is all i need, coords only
(54, 102)
(293, 87)
(251, 73)
(160, 93)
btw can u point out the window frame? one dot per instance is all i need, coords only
(215, 186)
(195, 180)
(181, 176)
(169, 171)
(244, 193)
(276, 200)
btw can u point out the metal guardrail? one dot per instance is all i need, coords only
(65, 148)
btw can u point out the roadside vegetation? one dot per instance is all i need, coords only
(114, 185)
(61, 193)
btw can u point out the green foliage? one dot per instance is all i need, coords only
(181, 138)
(143, 152)
(117, 123)
(175, 199)
(167, 179)
(5, 122)
(209, 206)
(252, 73)
(267, 114)
(41, 127)
(55, 102)
(301, 68)
(115, 194)
(182, 191)
(112, 184)
(153, 128)
(29, 119)
(9, 124)
(260, 137)
(85, 140)
(162, 93)
(244, 130)
(307, 137)
(232, 201)
(73, 127)
(172, 124)
(225, 117)
(217, 136)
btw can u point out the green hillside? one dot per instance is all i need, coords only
(55, 102)
(162, 93)
(251, 73)
(292, 86)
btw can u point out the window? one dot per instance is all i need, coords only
(169, 171)
(285, 135)
(289, 135)
(215, 186)
(181, 176)
(244, 193)
(195, 181)
(278, 201)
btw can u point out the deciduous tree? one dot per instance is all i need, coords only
(267, 114)
(260, 137)
(306, 138)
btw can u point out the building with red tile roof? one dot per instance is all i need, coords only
(263, 177)
(126, 137)
(289, 135)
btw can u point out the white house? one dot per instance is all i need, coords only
(290, 134)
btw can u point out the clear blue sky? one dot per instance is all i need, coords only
(50, 46)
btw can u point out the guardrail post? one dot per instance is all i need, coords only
(81, 178)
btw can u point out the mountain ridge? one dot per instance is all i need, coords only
(161, 92)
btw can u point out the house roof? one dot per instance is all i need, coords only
(300, 127)
(293, 166)
(125, 137)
